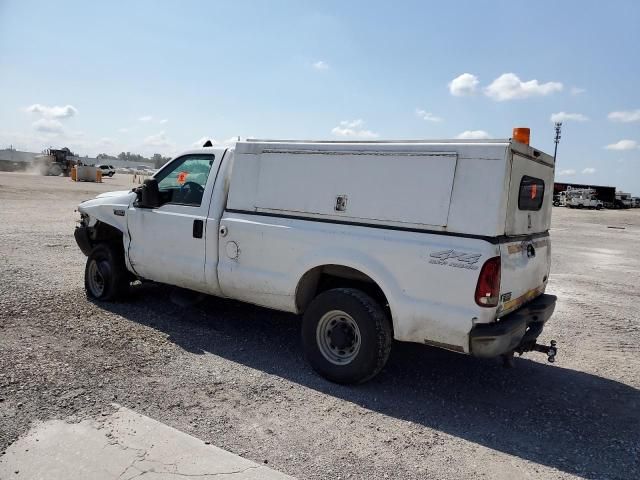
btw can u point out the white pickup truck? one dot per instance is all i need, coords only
(444, 243)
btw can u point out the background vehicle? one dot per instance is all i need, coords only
(107, 170)
(370, 241)
(582, 198)
(606, 194)
(55, 162)
(623, 200)
(560, 199)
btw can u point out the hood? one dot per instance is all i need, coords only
(121, 198)
(117, 193)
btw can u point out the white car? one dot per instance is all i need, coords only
(107, 170)
(443, 243)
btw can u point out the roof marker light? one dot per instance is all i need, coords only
(522, 135)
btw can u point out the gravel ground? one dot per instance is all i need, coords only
(233, 374)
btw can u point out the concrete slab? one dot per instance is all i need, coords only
(123, 446)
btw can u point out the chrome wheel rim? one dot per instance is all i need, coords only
(95, 279)
(338, 337)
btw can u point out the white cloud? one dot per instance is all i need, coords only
(509, 87)
(589, 171)
(428, 116)
(124, 130)
(320, 65)
(577, 90)
(163, 121)
(625, 116)
(48, 125)
(353, 128)
(623, 145)
(463, 85)
(474, 135)
(563, 117)
(566, 173)
(53, 112)
(159, 141)
(145, 118)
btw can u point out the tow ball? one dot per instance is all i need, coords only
(551, 350)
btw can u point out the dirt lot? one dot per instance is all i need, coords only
(233, 374)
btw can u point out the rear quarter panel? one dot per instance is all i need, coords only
(428, 284)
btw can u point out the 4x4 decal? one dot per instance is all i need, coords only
(453, 258)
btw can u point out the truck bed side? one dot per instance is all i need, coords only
(429, 280)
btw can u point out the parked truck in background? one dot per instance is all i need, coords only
(581, 198)
(444, 243)
(623, 200)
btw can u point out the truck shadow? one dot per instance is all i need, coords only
(573, 421)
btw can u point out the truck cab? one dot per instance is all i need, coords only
(443, 243)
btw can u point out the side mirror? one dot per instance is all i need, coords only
(148, 194)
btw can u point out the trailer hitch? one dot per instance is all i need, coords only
(551, 350)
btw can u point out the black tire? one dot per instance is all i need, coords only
(105, 275)
(55, 170)
(373, 330)
(110, 174)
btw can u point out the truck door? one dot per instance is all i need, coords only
(167, 243)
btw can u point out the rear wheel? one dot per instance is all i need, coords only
(105, 275)
(346, 336)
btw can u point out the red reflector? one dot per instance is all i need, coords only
(488, 288)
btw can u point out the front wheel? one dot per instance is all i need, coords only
(346, 336)
(55, 170)
(105, 275)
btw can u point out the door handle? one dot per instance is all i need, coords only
(198, 227)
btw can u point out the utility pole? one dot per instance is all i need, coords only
(558, 127)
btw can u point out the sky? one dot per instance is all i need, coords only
(158, 77)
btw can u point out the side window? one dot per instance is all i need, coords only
(183, 180)
(531, 193)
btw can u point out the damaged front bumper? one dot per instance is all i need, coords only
(517, 331)
(81, 235)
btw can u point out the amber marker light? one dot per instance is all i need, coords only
(522, 135)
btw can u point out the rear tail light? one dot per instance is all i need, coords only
(488, 288)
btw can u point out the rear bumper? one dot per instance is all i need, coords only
(518, 330)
